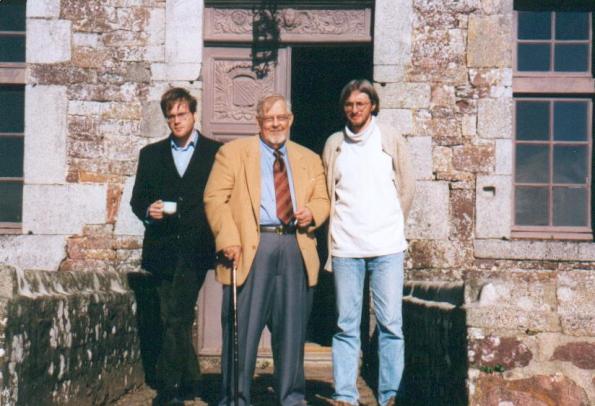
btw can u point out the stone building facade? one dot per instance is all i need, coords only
(505, 315)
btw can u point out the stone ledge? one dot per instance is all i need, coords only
(534, 250)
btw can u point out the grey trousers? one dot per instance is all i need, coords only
(276, 295)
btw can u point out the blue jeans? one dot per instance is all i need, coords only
(386, 285)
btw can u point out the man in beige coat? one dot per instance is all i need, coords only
(265, 197)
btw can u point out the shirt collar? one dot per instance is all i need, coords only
(192, 143)
(269, 150)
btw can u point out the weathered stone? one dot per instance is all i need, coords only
(45, 134)
(128, 92)
(71, 207)
(504, 156)
(153, 124)
(405, 95)
(86, 57)
(493, 351)
(114, 196)
(532, 249)
(181, 71)
(438, 254)
(421, 153)
(138, 72)
(392, 39)
(442, 95)
(462, 209)
(576, 304)
(494, 118)
(445, 127)
(581, 354)
(441, 159)
(489, 41)
(17, 251)
(539, 390)
(43, 9)
(183, 21)
(493, 207)
(400, 119)
(48, 41)
(469, 125)
(89, 16)
(429, 215)
(59, 74)
(127, 223)
(473, 158)
(497, 6)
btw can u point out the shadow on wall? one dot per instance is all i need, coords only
(434, 326)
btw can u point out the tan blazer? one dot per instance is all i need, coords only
(232, 202)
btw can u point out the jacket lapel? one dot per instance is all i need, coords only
(299, 174)
(252, 172)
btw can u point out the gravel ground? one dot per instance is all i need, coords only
(318, 386)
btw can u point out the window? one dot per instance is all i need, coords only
(553, 122)
(12, 113)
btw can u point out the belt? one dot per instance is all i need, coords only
(281, 229)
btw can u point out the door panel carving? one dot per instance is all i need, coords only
(232, 88)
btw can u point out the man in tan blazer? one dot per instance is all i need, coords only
(265, 197)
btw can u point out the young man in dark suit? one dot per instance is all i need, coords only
(178, 246)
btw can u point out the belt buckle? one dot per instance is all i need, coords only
(279, 230)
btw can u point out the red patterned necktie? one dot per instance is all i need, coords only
(282, 193)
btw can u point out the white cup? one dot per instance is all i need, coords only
(170, 207)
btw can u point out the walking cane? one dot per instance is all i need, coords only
(234, 333)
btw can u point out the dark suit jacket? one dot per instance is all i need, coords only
(186, 232)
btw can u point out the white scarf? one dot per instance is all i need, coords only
(363, 135)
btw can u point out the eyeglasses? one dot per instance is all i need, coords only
(282, 118)
(172, 118)
(356, 106)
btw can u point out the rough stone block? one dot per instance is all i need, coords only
(429, 215)
(497, 6)
(421, 153)
(469, 125)
(405, 95)
(555, 389)
(493, 351)
(43, 9)
(180, 71)
(462, 209)
(156, 27)
(504, 157)
(438, 254)
(392, 37)
(65, 208)
(44, 252)
(473, 158)
(183, 21)
(489, 41)
(45, 134)
(493, 207)
(400, 119)
(576, 303)
(581, 354)
(533, 249)
(127, 223)
(48, 41)
(494, 118)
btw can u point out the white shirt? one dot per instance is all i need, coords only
(368, 220)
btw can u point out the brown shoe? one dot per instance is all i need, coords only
(392, 401)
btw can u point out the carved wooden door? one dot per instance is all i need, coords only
(232, 88)
(232, 85)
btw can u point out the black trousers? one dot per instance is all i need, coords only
(275, 294)
(177, 363)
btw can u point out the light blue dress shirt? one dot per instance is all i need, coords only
(268, 202)
(182, 155)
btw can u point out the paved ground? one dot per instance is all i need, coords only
(318, 386)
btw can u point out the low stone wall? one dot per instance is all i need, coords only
(66, 338)
(435, 344)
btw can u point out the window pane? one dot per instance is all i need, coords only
(572, 25)
(10, 204)
(12, 109)
(12, 48)
(533, 57)
(531, 207)
(12, 15)
(532, 164)
(532, 120)
(534, 25)
(11, 157)
(570, 121)
(570, 207)
(570, 164)
(571, 58)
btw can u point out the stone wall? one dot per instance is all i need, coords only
(67, 338)
(446, 82)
